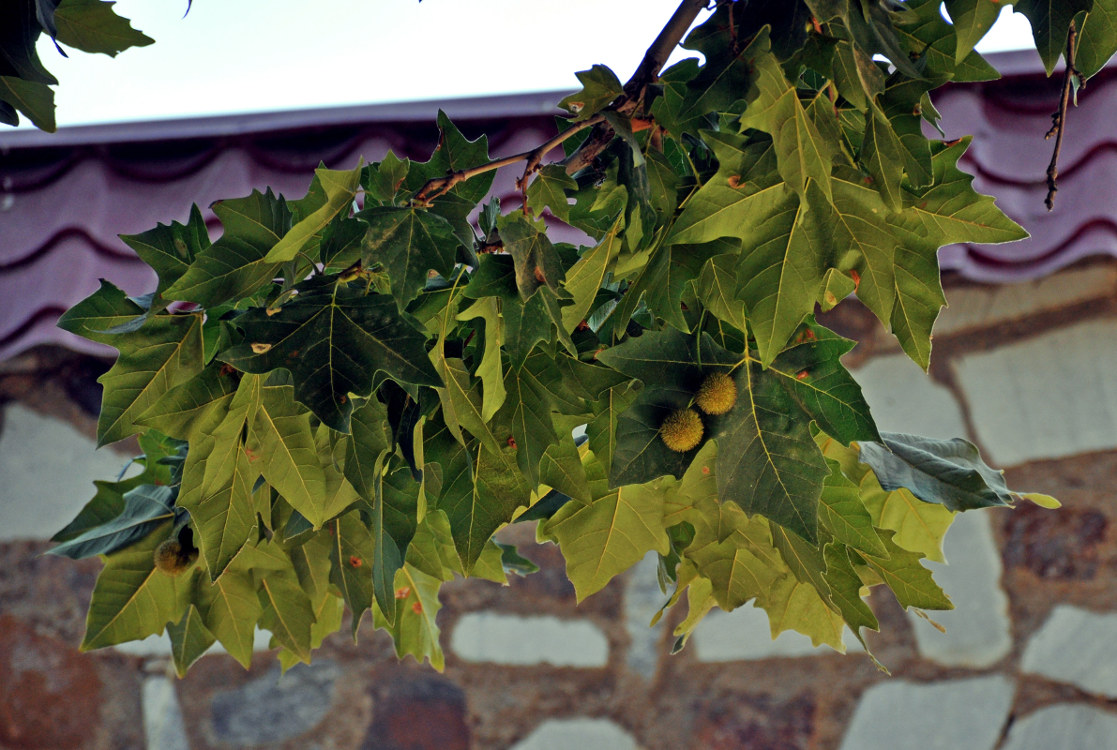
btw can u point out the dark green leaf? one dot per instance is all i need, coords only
(333, 338)
(145, 508)
(409, 243)
(949, 472)
(93, 26)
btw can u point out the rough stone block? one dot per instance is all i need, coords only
(272, 709)
(963, 714)
(163, 725)
(978, 629)
(642, 599)
(580, 733)
(903, 398)
(1078, 647)
(521, 641)
(1064, 726)
(1046, 397)
(1068, 545)
(50, 695)
(973, 307)
(48, 469)
(419, 713)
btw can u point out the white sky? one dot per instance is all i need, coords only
(265, 55)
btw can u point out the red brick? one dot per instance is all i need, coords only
(50, 694)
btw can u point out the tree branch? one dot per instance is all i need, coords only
(442, 185)
(602, 134)
(648, 70)
(1059, 118)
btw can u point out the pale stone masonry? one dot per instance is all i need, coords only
(1049, 396)
(962, 714)
(1031, 637)
(1078, 647)
(516, 640)
(578, 734)
(1065, 725)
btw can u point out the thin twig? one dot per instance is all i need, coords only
(602, 133)
(1059, 119)
(647, 72)
(442, 185)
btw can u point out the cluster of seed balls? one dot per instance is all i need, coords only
(682, 429)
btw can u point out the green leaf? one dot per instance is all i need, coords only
(281, 444)
(461, 400)
(950, 210)
(549, 189)
(971, 20)
(331, 194)
(811, 372)
(333, 338)
(922, 29)
(802, 154)
(415, 631)
(235, 266)
(585, 277)
(93, 26)
(859, 232)
(146, 507)
(918, 526)
(1051, 20)
(167, 351)
(107, 503)
(734, 552)
(190, 638)
(170, 249)
(949, 472)
(846, 590)
(454, 153)
(739, 199)
(604, 537)
(535, 259)
(1097, 38)
(32, 98)
(794, 605)
(600, 86)
(106, 308)
(394, 511)
(286, 612)
(217, 492)
(527, 410)
(369, 440)
(132, 599)
(909, 580)
(842, 514)
(352, 553)
(767, 461)
(489, 369)
(230, 609)
(409, 243)
(194, 408)
(783, 271)
(482, 490)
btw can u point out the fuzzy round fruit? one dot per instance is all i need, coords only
(172, 559)
(717, 394)
(682, 430)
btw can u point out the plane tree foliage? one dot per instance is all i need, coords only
(344, 396)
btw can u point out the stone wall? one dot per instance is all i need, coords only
(1028, 660)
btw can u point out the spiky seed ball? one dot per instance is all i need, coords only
(682, 430)
(717, 394)
(172, 559)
